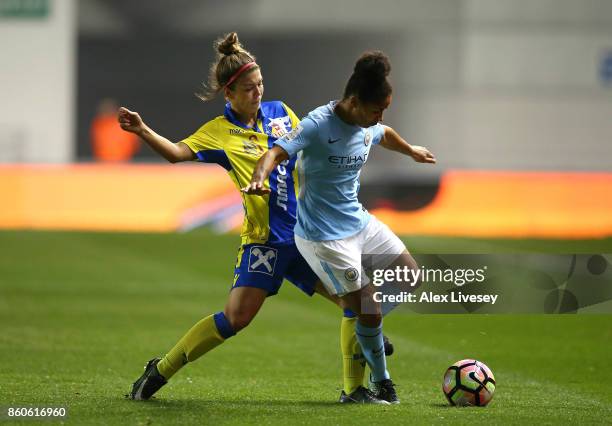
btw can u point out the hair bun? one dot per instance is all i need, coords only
(373, 65)
(229, 45)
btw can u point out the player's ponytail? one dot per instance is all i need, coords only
(369, 81)
(232, 60)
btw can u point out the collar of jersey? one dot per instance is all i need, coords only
(332, 108)
(231, 117)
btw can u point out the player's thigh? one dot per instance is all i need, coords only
(322, 291)
(405, 260)
(258, 274)
(260, 266)
(298, 272)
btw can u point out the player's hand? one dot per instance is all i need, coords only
(130, 121)
(420, 154)
(256, 188)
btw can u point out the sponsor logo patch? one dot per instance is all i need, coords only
(282, 189)
(353, 162)
(293, 134)
(279, 126)
(251, 146)
(262, 259)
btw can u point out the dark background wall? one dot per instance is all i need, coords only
(157, 75)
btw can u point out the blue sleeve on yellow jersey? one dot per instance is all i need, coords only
(300, 137)
(206, 144)
(378, 131)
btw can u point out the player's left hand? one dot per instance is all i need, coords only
(256, 188)
(420, 154)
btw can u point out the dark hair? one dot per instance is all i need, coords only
(230, 57)
(369, 80)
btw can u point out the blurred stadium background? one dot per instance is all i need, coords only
(513, 97)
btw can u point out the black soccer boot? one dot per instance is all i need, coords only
(148, 383)
(385, 390)
(360, 396)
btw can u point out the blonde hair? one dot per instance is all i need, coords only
(231, 56)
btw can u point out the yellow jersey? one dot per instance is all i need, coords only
(226, 141)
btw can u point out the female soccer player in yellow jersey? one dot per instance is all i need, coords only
(268, 253)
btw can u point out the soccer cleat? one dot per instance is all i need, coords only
(385, 390)
(388, 346)
(148, 383)
(360, 396)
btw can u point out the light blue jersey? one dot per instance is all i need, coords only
(333, 153)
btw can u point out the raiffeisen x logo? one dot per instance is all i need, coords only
(262, 259)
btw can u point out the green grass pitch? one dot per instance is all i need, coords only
(80, 313)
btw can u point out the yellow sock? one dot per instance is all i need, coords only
(207, 334)
(353, 364)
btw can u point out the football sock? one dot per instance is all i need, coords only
(353, 365)
(207, 334)
(371, 341)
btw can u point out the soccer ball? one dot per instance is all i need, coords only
(468, 382)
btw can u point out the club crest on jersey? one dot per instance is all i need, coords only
(368, 138)
(279, 126)
(251, 146)
(351, 274)
(262, 259)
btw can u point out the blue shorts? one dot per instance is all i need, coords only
(265, 266)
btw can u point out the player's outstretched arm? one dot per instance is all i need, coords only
(393, 141)
(263, 168)
(130, 121)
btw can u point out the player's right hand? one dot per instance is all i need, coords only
(130, 121)
(256, 188)
(420, 154)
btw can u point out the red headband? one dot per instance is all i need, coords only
(242, 69)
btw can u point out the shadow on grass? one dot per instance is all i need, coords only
(229, 403)
(441, 405)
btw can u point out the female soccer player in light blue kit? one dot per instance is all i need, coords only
(333, 230)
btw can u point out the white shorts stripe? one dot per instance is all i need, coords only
(330, 274)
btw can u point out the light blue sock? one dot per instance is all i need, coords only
(371, 341)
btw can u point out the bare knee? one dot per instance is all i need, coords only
(239, 318)
(242, 306)
(370, 320)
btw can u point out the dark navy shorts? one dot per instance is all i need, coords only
(265, 266)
